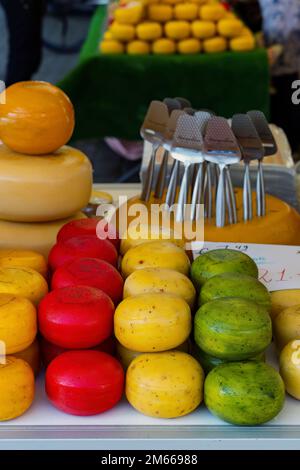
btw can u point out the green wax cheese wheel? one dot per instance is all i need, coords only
(244, 393)
(235, 285)
(232, 328)
(221, 261)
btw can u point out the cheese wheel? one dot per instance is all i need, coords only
(132, 14)
(138, 47)
(163, 46)
(216, 44)
(111, 46)
(160, 12)
(177, 29)
(41, 189)
(214, 12)
(16, 388)
(186, 11)
(39, 237)
(189, 46)
(23, 282)
(122, 32)
(18, 322)
(24, 259)
(230, 28)
(149, 31)
(203, 29)
(242, 43)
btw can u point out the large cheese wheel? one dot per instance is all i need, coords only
(40, 189)
(23, 282)
(23, 258)
(280, 226)
(18, 323)
(16, 388)
(39, 237)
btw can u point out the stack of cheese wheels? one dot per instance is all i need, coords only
(174, 26)
(43, 182)
(22, 286)
(152, 325)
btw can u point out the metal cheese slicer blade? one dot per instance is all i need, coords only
(203, 116)
(184, 103)
(186, 147)
(152, 131)
(252, 149)
(201, 181)
(270, 148)
(222, 148)
(162, 175)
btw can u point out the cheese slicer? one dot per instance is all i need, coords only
(152, 131)
(221, 148)
(162, 175)
(202, 118)
(252, 149)
(186, 147)
(270, 148)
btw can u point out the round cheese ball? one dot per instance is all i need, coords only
(90, 272)
(84, 383)
(91, 226)
(84, 246)
(23, 282)
(76, 317)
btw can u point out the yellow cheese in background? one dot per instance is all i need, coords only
(16, 388)
(132, 14)
(213, 12)
(149, 31)
(189, 46)
(138, 47)
(230, 28)
(39, 237)
(242, 43)
(23, 282)
(217, 44)
(122, 32)
(18, 323)
(160, 12)
(111, 46)
(186, 11)
(177, 29)
(41, 189)
(163, 46)
(23, 258)
(32, 356)
(203, 29)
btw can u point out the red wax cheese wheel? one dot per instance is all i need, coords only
(76, 317)
(50, 351)
(90, 272)
(92, 226)
(84, 383)
(82, 247)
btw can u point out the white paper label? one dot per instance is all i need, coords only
(279, 265)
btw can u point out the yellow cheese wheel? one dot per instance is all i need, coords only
(16, 388)
(177, 29)
(217, 44)
(163, 46)
(32, 356)
(23, 258)
(165, 385)
(157, 254)
(229, 28)
(149, 31)
(107, 35)
(290, 368)
(111, 46)
(126, 356)
(203, 29)
(23, 282)
(132, 14)
(138, 47)
(213, 12)
(152, 322)
(160, 12)
(186, 11)
(158, 280)
(18, 322)
(39, 237)
(189, 46)
(122, 32)
(38, 189)
(135, 236)
(242, 43)
(280, 226)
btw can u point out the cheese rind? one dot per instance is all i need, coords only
(41, 189)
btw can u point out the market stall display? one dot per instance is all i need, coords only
(185, 28)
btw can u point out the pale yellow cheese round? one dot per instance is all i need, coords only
(152, 322)
(186, 11)
(18, 323)
(159, 254)
(23, 282)
(165, 385)
(216, 44)
(138, 234)
(189, 46)
(177, 29)
(213, 12)
(39, 237)
(122, 32)
(164, 46)
(41, 189)
(159, 280)
(138, 47)
(149, 30)
(160, 12)
(203, 29)
(23, 258)
(16, 388)
(242, 43)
